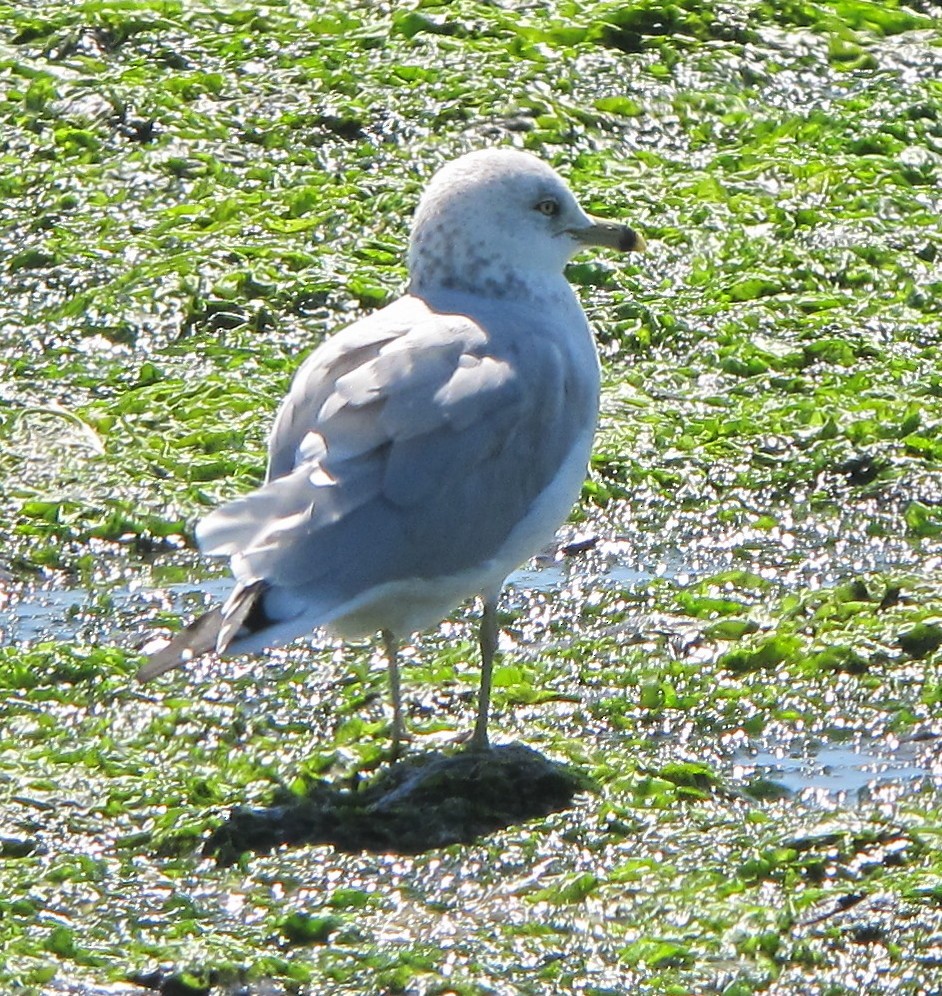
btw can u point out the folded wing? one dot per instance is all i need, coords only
(407, 447)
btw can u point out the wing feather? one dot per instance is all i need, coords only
(410, 406)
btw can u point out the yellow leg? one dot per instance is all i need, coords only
(488, 639)
(392, 663)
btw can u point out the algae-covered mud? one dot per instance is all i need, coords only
(737, 645)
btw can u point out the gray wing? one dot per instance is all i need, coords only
(408, 446)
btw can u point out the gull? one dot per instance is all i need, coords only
(426, 451)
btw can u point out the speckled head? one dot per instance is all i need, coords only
(501, 223)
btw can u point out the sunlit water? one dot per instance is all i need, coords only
(834, 773)
(823, 773)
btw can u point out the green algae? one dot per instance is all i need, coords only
(191, 196)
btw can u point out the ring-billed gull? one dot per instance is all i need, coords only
(426, 451)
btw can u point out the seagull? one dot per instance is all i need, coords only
(426, 451)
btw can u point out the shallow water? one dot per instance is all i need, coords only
(829, 774)
(819, 773)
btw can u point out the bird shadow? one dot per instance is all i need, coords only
(417, 804)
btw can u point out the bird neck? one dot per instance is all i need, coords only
(496, 279)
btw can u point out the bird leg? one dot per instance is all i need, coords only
(487, 637)
(392, 662)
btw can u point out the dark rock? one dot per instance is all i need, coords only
(418, 804)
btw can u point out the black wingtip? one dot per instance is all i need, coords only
(244, 612)
(199, 638)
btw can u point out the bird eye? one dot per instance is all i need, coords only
(549, 207)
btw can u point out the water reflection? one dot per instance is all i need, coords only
(832, 773)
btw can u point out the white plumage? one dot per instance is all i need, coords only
(427, 450)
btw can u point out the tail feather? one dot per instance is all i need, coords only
(243, 613)
(199, 638)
